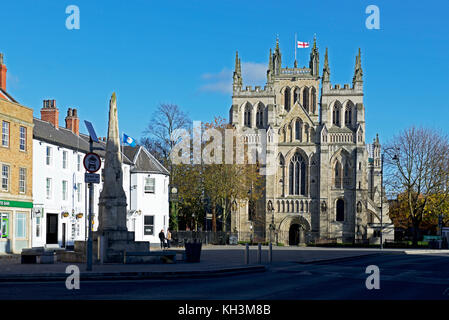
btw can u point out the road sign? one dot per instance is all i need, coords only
(91, 130)
(91, 178)
(92, 162)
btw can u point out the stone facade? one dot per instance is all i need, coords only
(326, 183)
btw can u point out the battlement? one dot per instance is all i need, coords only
(338, 90)
(296, 71)
(257, 90)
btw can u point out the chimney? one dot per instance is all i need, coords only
(2, 73)
(50, 113)
(72, 122)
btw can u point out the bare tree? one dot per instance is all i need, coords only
(166, 119)
(417, 167)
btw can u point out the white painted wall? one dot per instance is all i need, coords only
(155, 204)
(55, 204)
(150, 204)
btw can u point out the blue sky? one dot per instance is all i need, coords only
(182, 52)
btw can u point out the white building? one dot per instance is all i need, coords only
(60, 196)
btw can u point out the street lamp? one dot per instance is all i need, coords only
(174, 200)
(381, 199)
(272, 225)
(251, 231)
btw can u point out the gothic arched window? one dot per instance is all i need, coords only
(282, 180)
(305, 98)
(247, 115)
(259, 116)
(298, 130)
(287, 93)
(337, 175)
(313, 100)
(296, 95)
(348, 115)
(336, 114)
(297, 175)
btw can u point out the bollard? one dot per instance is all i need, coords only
(246, 254)
(270, 253)
(259, 254)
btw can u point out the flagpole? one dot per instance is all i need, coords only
(296, 44)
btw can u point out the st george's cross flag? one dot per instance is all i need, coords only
(303, 44)
(128, 140)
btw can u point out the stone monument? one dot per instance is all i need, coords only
(112, 234)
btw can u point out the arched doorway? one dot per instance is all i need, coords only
(293, 235)
(293, 230)
(340, 210)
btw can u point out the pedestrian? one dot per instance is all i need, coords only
(162, 238)
(168, 238)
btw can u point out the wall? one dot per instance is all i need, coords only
(11, 155)
(155, 204)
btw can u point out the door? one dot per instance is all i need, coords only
(63, 235)
(52, 228)
(293, 235)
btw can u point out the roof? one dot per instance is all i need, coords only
(143, 160)
(5, 95)
(63, 137)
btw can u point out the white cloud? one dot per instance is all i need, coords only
(253, 74)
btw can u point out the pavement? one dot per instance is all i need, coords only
(216, 261)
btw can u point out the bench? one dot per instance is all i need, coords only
(165, 256)
(30, 256)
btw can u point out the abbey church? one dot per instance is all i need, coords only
(327, 181)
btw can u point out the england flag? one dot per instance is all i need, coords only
(303, 44)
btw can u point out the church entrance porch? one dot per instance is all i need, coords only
(293, 230)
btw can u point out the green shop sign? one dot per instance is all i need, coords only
(16, 204)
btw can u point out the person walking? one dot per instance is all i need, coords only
(162, 238)
(168, 238)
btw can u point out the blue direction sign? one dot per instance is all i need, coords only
(91, 178)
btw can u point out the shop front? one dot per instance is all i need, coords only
(15, 226)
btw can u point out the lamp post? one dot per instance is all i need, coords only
(381, 199)
(323, 210)
(251, 231)
(272, 225)
(174, 203)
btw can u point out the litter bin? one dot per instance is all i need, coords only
(193, 251)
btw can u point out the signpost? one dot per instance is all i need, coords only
(92, 163)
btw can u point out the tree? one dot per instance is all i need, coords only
(417, 168)
(158, 140)
(165, 120)
(226, 183)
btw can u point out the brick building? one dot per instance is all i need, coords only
(16, 158)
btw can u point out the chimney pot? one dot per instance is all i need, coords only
(72, 122)
(50, 113)
(3, 70)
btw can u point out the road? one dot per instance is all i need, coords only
(401, 277)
